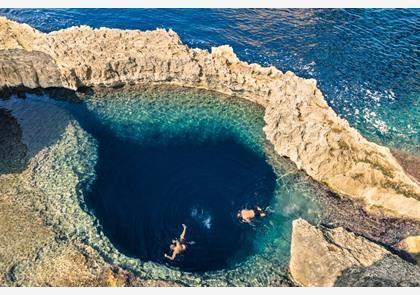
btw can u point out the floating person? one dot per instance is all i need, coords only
(179, 245)
(247, 215)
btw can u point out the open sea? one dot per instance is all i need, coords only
(366, 61)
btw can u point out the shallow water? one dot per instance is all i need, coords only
(173, 156)
(365, 60)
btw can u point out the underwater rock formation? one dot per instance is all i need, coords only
(299, 122)
(12, 150)
(328, 257)
(43, 229)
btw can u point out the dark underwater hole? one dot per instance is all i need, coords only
(143, 194)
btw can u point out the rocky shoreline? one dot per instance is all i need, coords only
(364, 186)
(328, 257)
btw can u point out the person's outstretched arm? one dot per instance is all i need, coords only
(171, 257)
(182, 236)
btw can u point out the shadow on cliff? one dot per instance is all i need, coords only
(390, 271)
(410, 162)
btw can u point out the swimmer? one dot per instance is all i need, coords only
(247, 215)
(178, 246)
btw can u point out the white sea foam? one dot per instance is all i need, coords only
(372, 118)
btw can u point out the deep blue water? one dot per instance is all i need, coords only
(366, 61)
(142, 195)
(157, 169)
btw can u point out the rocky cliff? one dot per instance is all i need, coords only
(328, 257)
(299, 122)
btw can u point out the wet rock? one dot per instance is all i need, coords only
(299, 123)
(46, 239)
(115, 276)
(328, 257)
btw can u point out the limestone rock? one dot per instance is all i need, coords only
(411, 244)
(22, 236)
(328, 257)
(299, 123)
(23, 69)
(388, 272)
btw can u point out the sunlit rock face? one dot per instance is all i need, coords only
(328, 257)
(299, 123)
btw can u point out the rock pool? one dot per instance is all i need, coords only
(164, 156)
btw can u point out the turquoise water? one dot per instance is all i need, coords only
(169, 159)
(219, 140)
(366, 61)
(172, 156)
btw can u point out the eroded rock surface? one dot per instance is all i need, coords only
(24, 69)
(299, 122)
(411, 244)
(328, 257)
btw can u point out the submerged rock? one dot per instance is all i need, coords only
(299, 122)
(328, 257)
(46, 238)
(13, 152)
